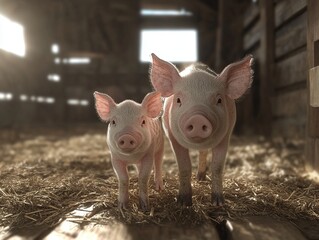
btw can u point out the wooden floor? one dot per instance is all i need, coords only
(250, 228)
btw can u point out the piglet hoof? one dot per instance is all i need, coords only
(144, 205)
(123, 205)
(201, 176)
(184, 200)
(159, 186)
(217, 199)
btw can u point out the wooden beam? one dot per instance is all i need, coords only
(312, 132)
(266, 61)
(314, 86)
(168, 22)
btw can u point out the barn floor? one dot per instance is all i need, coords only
(59, 184)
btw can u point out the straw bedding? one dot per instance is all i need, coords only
(46, 174)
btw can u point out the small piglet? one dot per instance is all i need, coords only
(200, 113)
(134, 136)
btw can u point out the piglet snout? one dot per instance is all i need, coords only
(197, 127)
(127, 142)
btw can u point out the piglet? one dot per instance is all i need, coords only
(200, 113)
(134, 136)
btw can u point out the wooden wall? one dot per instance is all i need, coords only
(275, 33)
(104, 31)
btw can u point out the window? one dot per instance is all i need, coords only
(164, 12)
(11, 36)
(172, 45)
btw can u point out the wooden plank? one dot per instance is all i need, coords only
(289, 127)
(69, 229)
(291, 70)
(251, 14)
(168, 22)
(291, 36)
(266, 62)
(252, 36)
(291, 104)
(285, 10)
(310, 228)
(312, 133)
(264, 228)
(316, 153)
(314, 86)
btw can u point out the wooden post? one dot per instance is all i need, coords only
(229, 40)
(312, 134)
(266, 61)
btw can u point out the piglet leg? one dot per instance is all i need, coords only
(158, 178)
(145, 168)
(202, 165)
(184, 197)
(218, 163)
(120, 169)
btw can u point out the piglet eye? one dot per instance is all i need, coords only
(143, 123)
(219, 101)
(113, 123)
(178, 100)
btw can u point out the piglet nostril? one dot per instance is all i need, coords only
(122, 142)
(204, 128)
(132, 142)
(190, 128)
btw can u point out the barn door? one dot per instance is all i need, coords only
(312, 143)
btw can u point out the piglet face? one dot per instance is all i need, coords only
(200, 100)
(198, 112)
(129, 131)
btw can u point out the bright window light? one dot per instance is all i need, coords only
(54, 77)
(76, 60)
(49, 100)
(57, 60)
(171, 45)
(165, 12)
(5, 96)
(84, 102)
(40, 99)
(23, 97)
(55, 49)
(11, 36)
(73, 101)
(8, 96)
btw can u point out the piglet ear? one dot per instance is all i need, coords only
(238, 77)
(104, 105)
(164, 75)
(152, 104)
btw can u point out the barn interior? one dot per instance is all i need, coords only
(56, 177)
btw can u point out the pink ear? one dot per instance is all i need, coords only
(163, 76)
(238, 77)
(152, 104)
(103, 105)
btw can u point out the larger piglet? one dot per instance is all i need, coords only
(134, 136)
(200, 113)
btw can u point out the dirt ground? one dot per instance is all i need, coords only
(45, 174)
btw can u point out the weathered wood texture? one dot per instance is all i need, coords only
(250, 228)
(292, 36)
(275, 32)
(291, 70)
(312, 134)
(264, 228)
(314, 86)
(287, 9)
(289, 102)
